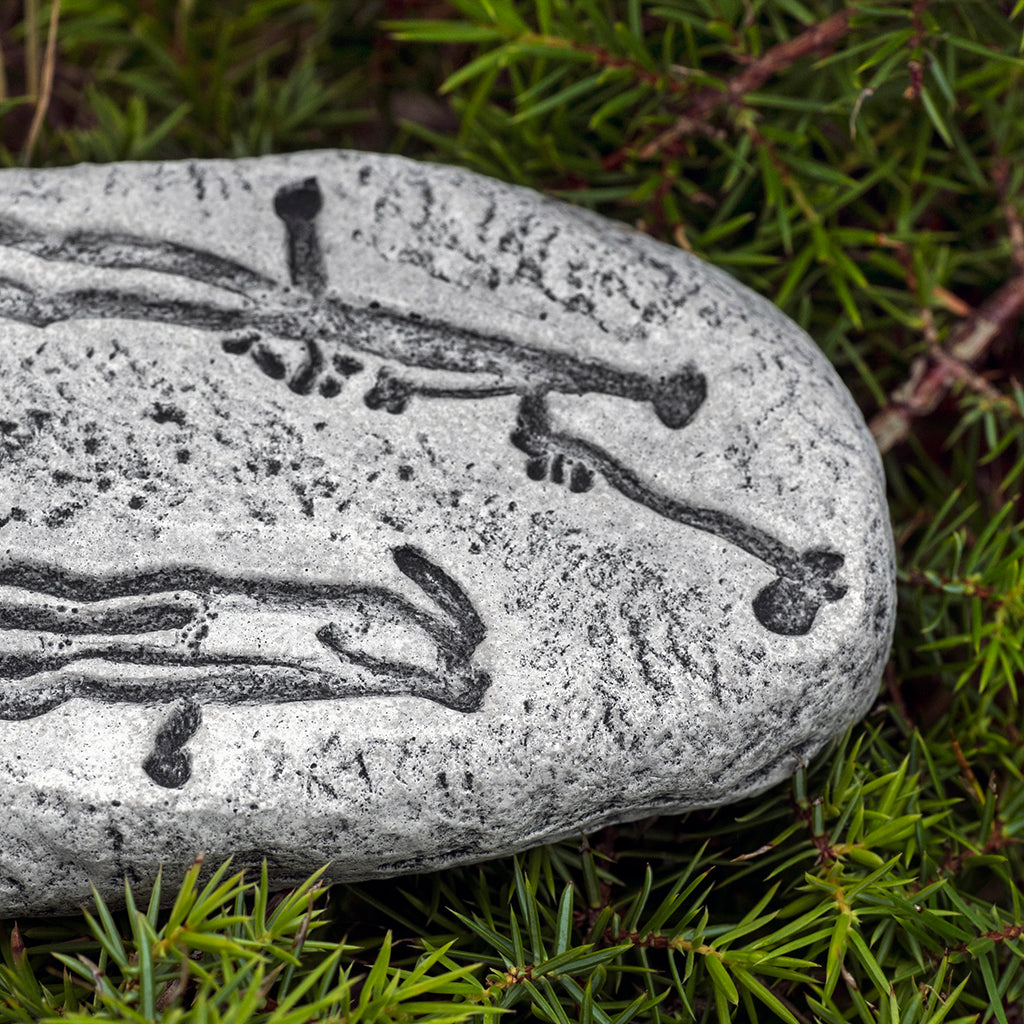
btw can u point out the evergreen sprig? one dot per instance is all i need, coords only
(862, 164)
(228, 952)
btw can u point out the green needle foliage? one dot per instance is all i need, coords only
(862, 164)
(230, 953)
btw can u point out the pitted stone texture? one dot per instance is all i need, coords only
(364, 511)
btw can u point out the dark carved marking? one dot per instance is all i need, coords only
(143, 616)
(169, 765)
(330, 387)
(238, 346)
(467, 630)
(113, 250)
(304, 379)
(298, 205)
(787, 605)
(506, 365)
(269, 362)
(457, 634)
(389, 392)
(581, 479)
(130, 608)
(123, 652)
(346, 365)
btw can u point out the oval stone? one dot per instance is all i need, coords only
(365, 511)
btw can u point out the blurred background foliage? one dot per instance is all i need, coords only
(862, 164)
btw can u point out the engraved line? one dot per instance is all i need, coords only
(455, 633)
(298, 205)
(469, 630)
(224, 684)
(236, 683)
(535, 436)
(114, 250)
(463, 690)
(22, 666)
(787, 606)
(168, 765)
(144, 616)
(68, 584)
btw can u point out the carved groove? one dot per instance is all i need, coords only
(496, 365)
(145, 612)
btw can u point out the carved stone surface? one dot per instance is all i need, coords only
(359, 510)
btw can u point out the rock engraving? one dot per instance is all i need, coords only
(362, 511)
(162, 620)
(495, 365)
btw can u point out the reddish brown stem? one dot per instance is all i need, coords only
(934, 374)
(753, 76)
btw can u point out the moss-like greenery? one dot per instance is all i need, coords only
(861, 164)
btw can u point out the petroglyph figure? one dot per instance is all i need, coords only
(186, 637)
(493, 365)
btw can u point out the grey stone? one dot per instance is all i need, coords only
(364, 511)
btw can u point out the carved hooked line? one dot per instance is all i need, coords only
(456, 634)
(787, 605)
(131, 611)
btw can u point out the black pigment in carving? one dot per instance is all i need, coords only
(402, 337)
(493, 364)
(298, 205)
(788, 605)
(114, 250)
(66, 622)
(169, 765)
(141, 616)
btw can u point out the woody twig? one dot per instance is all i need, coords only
(753, 76)
(933, 374)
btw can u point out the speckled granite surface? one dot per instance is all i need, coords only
(360, 510)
